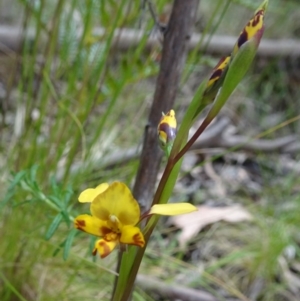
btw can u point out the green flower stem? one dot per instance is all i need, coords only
(200, 130)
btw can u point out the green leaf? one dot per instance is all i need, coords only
(68, 243)
(17, 179)
(10, 191)
(57, 250)
(68, 193)
(33, 172)
(66, 217)
(24, 202)
(54, 225)
(54, 185)
(55, 200)
(7, 198)
(263, 5)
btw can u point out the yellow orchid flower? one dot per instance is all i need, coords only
(115, 214)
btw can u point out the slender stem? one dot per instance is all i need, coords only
(200, 130)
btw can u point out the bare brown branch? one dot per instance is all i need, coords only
(175, 46)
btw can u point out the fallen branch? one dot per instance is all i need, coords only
(125, 38)
(174, 291)
(212, 138)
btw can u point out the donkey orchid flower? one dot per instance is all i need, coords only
(115, 214)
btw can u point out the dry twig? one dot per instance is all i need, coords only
(174, 291)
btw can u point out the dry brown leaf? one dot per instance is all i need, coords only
(192, 223)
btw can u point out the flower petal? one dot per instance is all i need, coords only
(89, 194)
(104, 247)
(91, 225)
(172, 209)
(132, 236)
(117, 200)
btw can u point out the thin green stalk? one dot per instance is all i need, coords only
(69, 113)
(59, 126)
(102, 66)
(200, 130)
(29, 77)
(93, 92)
(12, 288)
(49, 54)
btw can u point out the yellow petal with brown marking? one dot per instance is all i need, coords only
(104, 248)
(132, 236)
(91, 225)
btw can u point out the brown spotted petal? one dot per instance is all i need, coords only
(91, 225)
(104, 247)
(132, 236)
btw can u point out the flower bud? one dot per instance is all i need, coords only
(166, 129)
(216, 74)
(254, 29)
